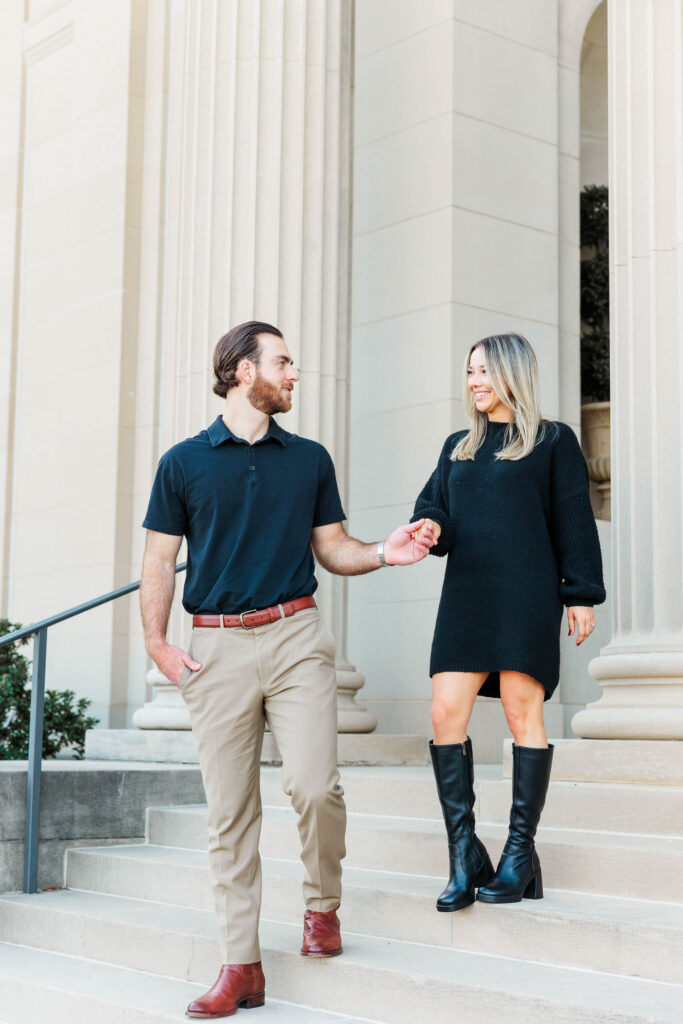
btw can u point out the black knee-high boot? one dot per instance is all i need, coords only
(470, 864)
(518, 874)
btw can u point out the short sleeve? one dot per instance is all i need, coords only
(574, 533)
(328, 506)
(167, 512)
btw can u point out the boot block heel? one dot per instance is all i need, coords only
(253, 1001)
(534, 890)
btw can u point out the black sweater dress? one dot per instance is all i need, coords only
(522, 543)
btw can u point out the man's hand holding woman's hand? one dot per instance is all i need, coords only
(411, 543)
(171, 660)
(427, 528)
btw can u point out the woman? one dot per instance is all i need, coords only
(510, 506)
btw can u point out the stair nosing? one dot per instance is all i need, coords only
(376, 880)
(442, 961)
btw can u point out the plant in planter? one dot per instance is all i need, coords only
(64, 723)
(595, 369)
(595, 294)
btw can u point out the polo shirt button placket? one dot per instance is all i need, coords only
(252, 466)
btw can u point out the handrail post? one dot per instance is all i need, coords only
(35, 754)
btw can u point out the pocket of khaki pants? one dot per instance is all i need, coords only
(327, 642)
(199, 650)
(185, 674)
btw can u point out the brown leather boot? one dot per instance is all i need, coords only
(237, 985)
(321, 934)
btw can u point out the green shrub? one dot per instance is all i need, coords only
(65, 722)
(595, 294)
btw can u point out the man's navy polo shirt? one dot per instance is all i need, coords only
(247, 512)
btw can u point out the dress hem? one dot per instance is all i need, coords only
(495, 672)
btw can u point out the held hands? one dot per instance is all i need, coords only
(428, 528)
(411, 543)
(171, 660)
(581, 621)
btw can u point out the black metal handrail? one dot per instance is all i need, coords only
(35, 735)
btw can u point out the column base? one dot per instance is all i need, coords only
(167, 709)
(642, 697)
(351, 717)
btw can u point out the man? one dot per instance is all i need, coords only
(252, 500)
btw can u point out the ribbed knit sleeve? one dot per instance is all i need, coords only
(432, 501)
(574, 533)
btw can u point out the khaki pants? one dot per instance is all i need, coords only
(283, 673)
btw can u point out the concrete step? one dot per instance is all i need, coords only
(377, 790)
(611, 807)
(178, 746)
(594, 806)
(654, 762)
(382, 979)
(631, 937)
(38, 986)
(83, 804)
(608, 863)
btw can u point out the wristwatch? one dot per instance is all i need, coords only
(380, 554)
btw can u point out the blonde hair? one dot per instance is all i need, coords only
(509, 360)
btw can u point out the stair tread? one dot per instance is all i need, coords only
(133, 989)
(402, 771)
(605, 806)
(556, 901)
(485, 774)
(574, 986)
(434, 826)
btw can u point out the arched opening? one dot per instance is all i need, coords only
(593, 124)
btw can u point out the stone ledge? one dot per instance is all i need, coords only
(84, 803)
(650, 762)
(51, 853)
(179, 747)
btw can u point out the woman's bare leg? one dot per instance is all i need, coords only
(523, 698)
(453, 696)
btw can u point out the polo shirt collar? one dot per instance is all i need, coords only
(218, 433)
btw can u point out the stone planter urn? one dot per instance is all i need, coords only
(595, 437)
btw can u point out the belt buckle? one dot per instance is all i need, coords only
(242, 614)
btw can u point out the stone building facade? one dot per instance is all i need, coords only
(387, 181)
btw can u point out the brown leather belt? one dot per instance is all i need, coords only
(256, 617)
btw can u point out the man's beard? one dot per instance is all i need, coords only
(267, 397)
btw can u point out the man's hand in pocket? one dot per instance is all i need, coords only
(171, 660)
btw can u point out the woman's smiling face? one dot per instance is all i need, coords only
(485, 398)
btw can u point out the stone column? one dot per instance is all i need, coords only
(258, 207)
(641, 669)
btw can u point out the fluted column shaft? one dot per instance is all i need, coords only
(258, 210)
(641, 669)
